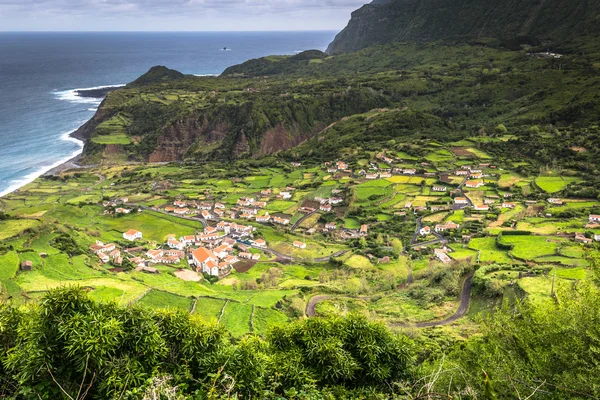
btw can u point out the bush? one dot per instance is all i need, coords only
(69, 339)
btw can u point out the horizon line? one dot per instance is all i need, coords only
(171, 31)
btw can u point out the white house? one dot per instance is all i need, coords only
(175, 244)
(260, 243)
(439, 188)
(461, 200)
(206, 261)
(263, 218)
(285, 195)
(594, 218)
(474, 184)
(446, 227)
(425, 231)
(281, 221)
(326, 207)
(508, 205)
(132, 235)
(299, 245)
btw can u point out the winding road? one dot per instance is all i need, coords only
(465, 300)
(297, 224)
(439, 238)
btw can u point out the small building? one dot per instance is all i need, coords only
(508, 205)
(281, 221)
(425, 231)
(580, 237)
(461, 200)
(594, 218)
(474, 184)
(439, 188)
(260, 243)
(326, 207)
(263, 218)
(364, 230)
(481, 207)
(132, 235)
(299, 245)
(26, 266)
(446, 227)
(557, 202)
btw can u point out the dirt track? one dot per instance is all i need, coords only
(465, 300)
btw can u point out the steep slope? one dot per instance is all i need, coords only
(165, 116)
(530, 21)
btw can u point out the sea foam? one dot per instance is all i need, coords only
(18, 183)
(72, 96)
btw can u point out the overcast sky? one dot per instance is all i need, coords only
(175, 15)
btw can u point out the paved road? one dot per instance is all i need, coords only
(297, 224)
(460, 187)
(465, 300)
(439, 238)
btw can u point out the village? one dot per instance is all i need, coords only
(229, 230)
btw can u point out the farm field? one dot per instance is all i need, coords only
(359, 251)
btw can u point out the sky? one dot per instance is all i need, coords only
(175, 15)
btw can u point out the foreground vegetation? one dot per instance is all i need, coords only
(69, 346)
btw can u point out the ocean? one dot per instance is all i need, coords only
(40, 72)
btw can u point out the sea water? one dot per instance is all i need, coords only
(41, 72)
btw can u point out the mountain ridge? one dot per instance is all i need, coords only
(529, 21)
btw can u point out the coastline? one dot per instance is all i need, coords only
(89, 96)
(54, 169)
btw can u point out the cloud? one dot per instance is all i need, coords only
(247, 14)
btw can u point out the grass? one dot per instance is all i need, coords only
(160, 299)
(267, 318)
(9, 265)
(554, 184)
(120, 139)
(489, 252)
(209, 309)
(11, 228)
(531, 247)
(236, 318)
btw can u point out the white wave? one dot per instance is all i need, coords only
(19, 183)
(73, 97)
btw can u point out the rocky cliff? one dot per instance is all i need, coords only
(166, 116)
(387, 21)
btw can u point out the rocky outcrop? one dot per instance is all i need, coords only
(383, 22)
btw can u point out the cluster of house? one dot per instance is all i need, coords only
(107, 252)
(338, 166)
(211, 251)
(247, 208)
(117, 206)
(448, 226)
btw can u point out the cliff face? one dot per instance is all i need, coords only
(193, 118)
(383, 22)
